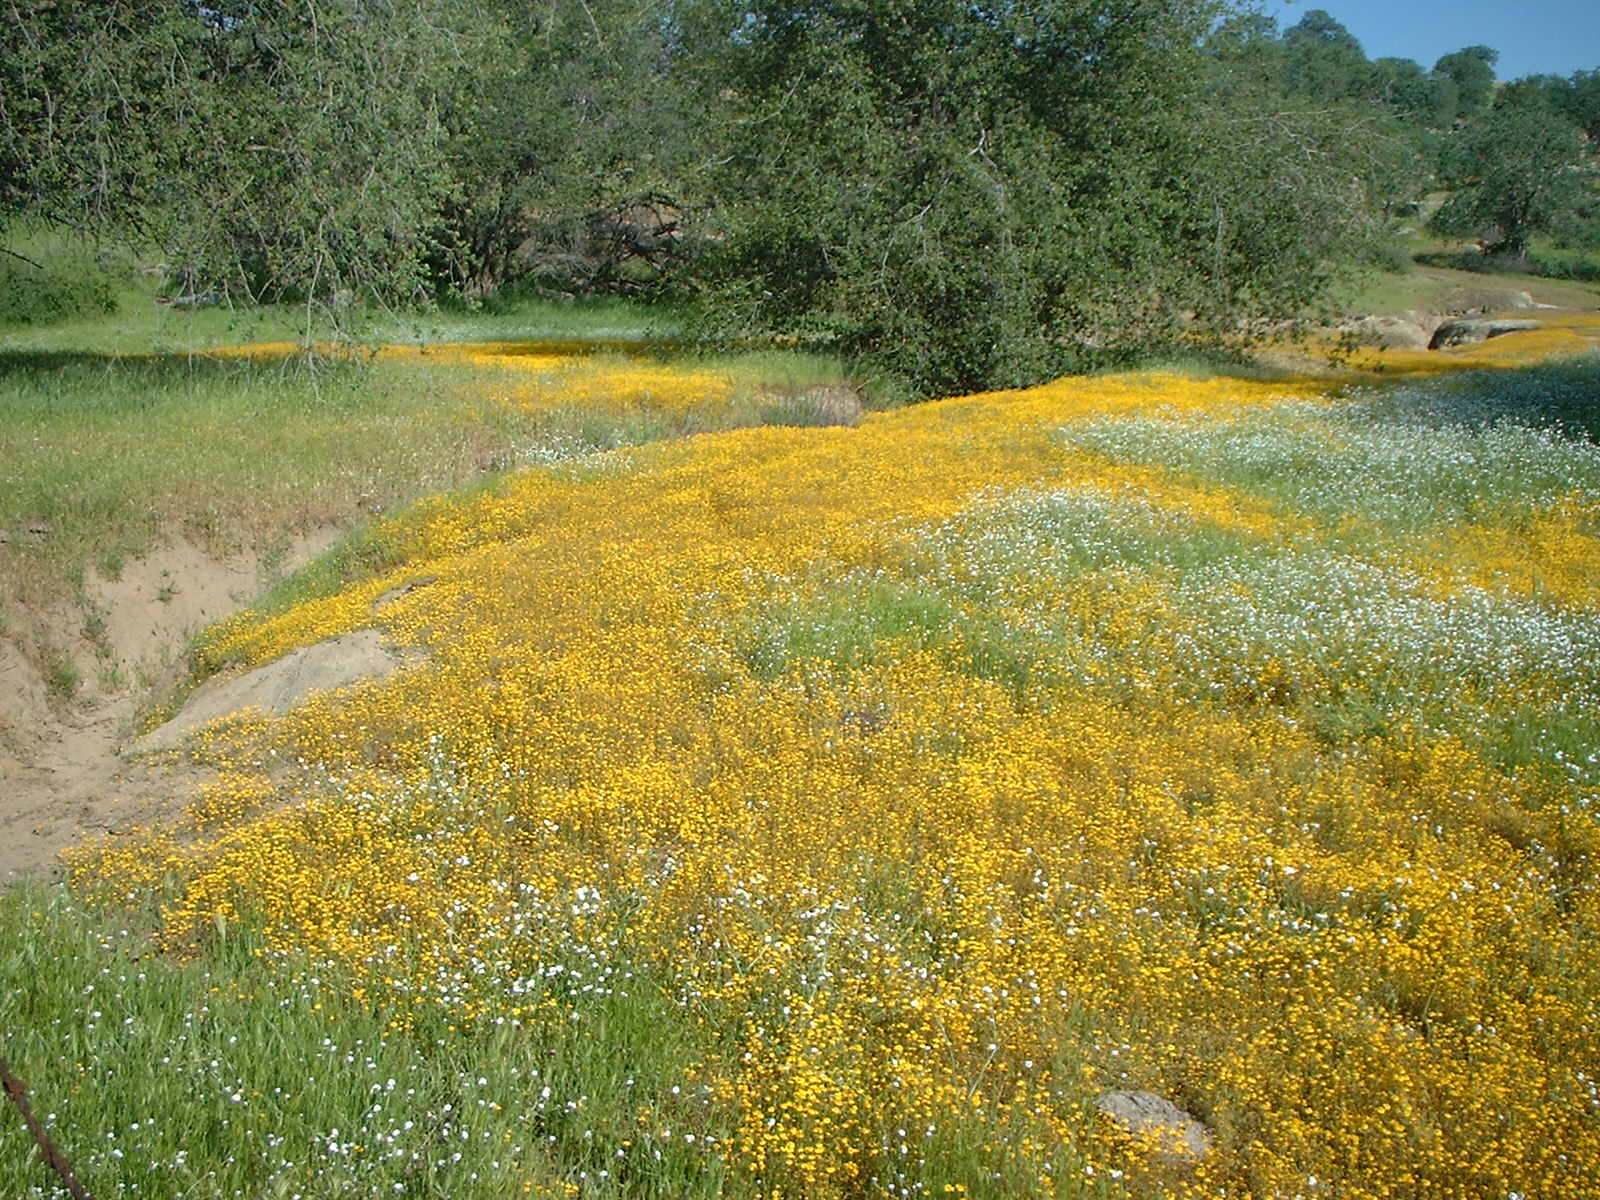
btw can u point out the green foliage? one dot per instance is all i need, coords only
(1446, 101)
(952, 196)
(567, 144)
(1555, 263)
(274, 151)
(1425, 100)
(1580, 100)
(975, 199)
(1472, 71)
(1576, 97)
(1324, 59)
(1518, 171)
(316, 151)
(81, 83)
(36, 294)
(1319, 28)
(260, 1074)
(1319, 59)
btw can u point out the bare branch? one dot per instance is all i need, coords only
(48, 1151)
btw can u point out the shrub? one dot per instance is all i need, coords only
(31, 295)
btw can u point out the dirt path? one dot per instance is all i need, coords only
(61, 774)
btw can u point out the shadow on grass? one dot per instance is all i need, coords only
(54, 384)
(155, 367)
(26, 362)
(1560, 396)
(1577, 266)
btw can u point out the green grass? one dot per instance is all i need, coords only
(111, 452)
(253, 1075)
(1438, 287)
(131, 317)
(1385, 292)
(776, 369)
(74, 296)
(143, 325)
(599, 319)
(959, 591)
(1203, 363)
(62, 679)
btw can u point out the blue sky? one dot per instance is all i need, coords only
(1555, 37)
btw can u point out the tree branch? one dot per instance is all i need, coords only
(48, 1151)
(23, 257)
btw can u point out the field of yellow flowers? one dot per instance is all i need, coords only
(830, 812)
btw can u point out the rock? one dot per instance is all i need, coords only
(28, 533)
(1468, 330)
(339, 662)
(1409, 331)
(1507, 300)
(1176, 1135)
(405, 589)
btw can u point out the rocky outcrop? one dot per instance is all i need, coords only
(1468, 330)
(1407, 331)
(1173, 1133)
(1491, 300)
(339, 662)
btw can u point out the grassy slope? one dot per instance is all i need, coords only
(839, 811)
(1436, 288)
(109, 446)
(829, 812)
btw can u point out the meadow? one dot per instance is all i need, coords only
(110, 452)
(796, 810)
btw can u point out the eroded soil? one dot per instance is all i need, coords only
(123, 646)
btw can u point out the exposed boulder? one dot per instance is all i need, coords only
(1468, 330)
(339, 662)
(1175, 1134)
(1492, 300)
(30, 532)
(1407, 331)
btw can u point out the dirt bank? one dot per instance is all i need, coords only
(76, 683)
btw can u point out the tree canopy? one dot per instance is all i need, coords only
(1471, 69)
(968, 195)
(986, 196)
(1518, 172)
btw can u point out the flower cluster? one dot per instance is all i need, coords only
(939, 774)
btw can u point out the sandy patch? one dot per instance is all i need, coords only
(60, 774)
(275, 688)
